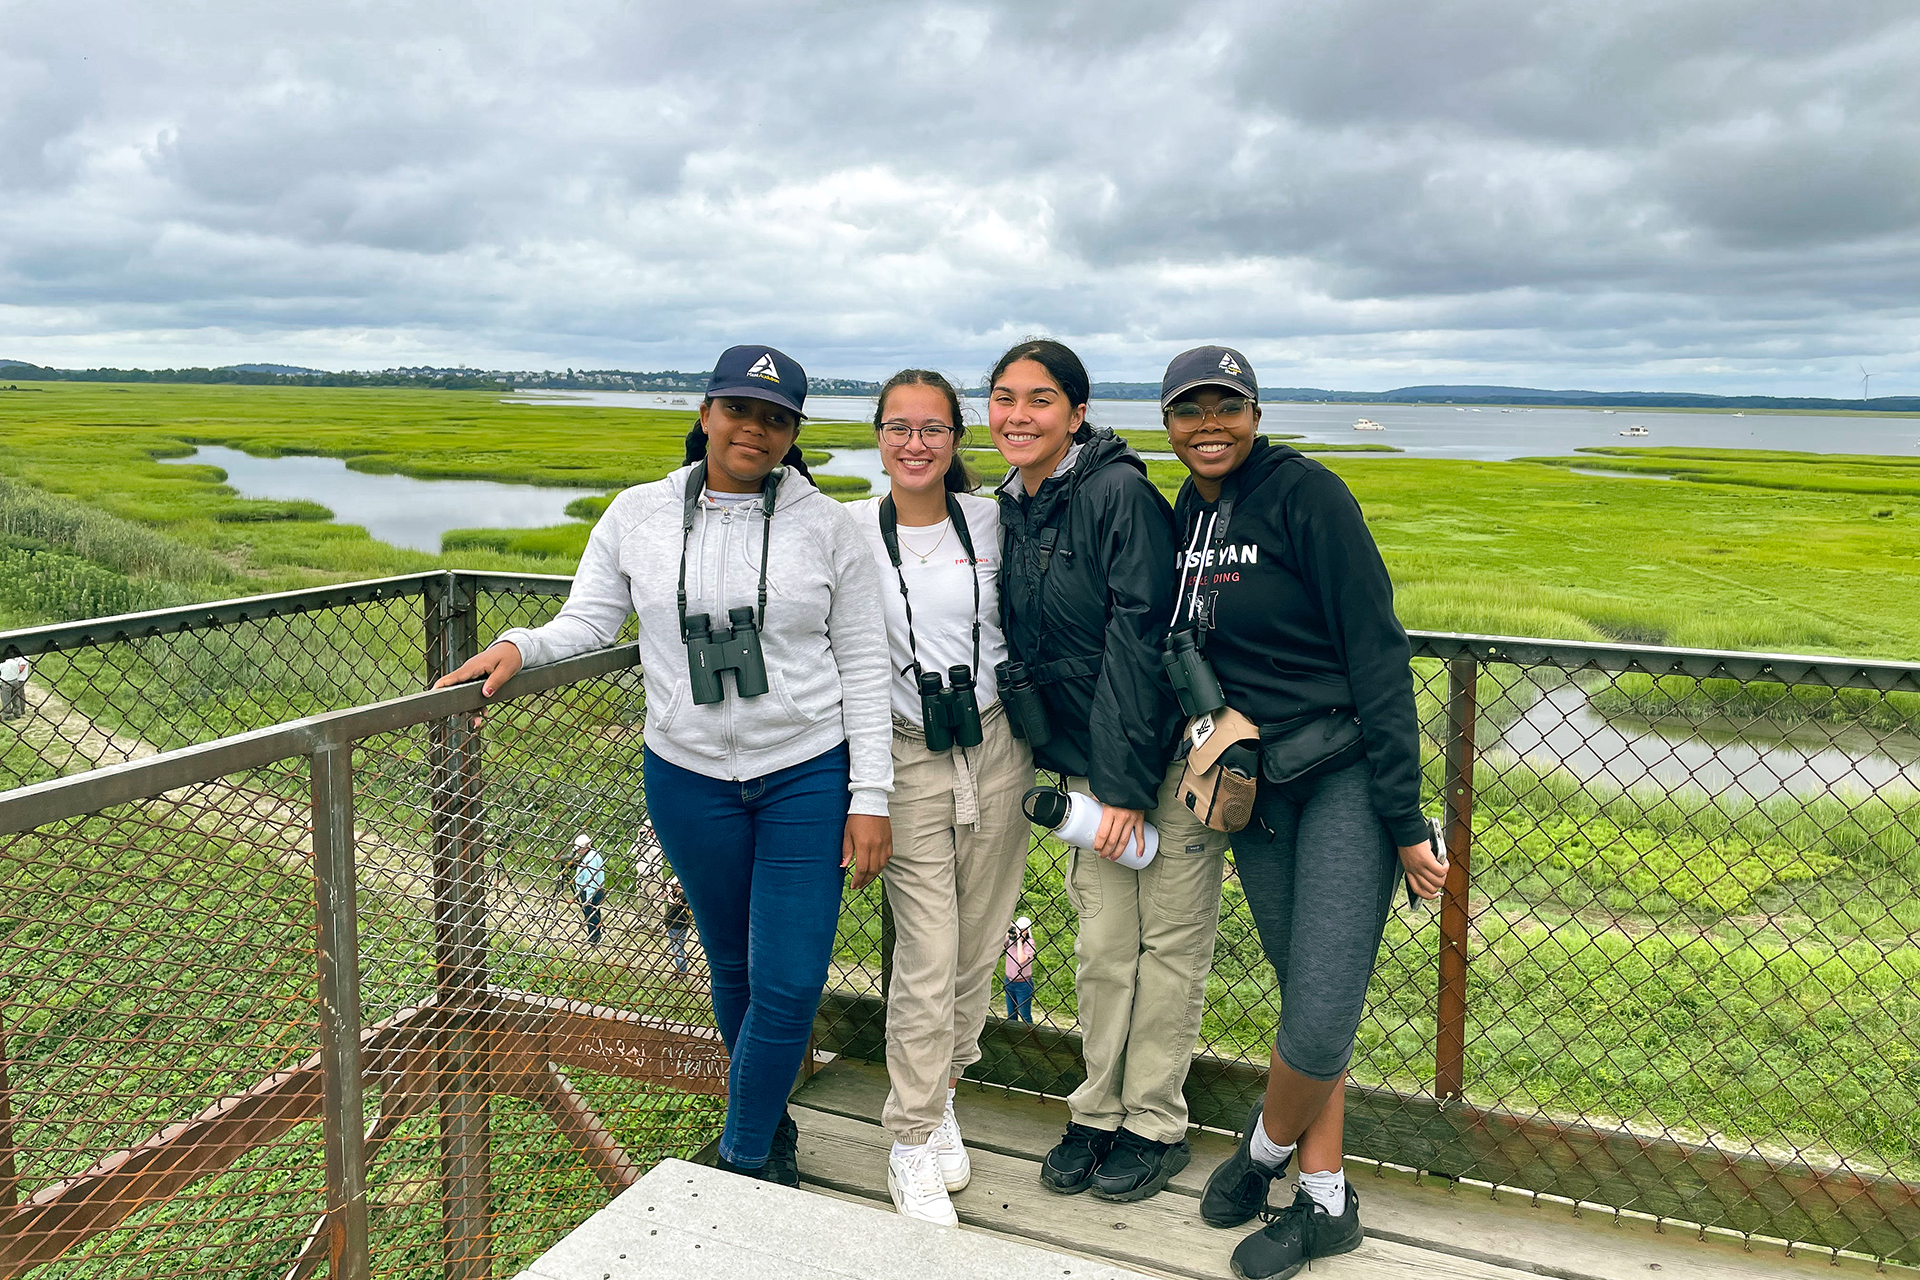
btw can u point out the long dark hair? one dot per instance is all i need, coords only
(959, 477)
(1062, 366)
(696, 449)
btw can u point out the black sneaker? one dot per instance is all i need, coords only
(1137, 1167)
(725, 1165)
(1237, 1188)
(1069, 1167)
(783, 1160)
(1296, 1233)
(1328, 1235)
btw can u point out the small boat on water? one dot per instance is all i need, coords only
(1636, 430)
(679, 399)
(1367, 424)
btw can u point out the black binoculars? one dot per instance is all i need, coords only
(1191, 675)
(735, 649)
(951, 716)
(1026, 714)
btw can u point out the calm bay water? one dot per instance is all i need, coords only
(1486, 433)
(394, 509)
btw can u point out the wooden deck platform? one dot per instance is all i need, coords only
(1414, 1228)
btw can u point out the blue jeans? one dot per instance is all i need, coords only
(1020, 1001)
(760, 863)
(677, 942)
(590, 907)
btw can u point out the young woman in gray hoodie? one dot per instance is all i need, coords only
(762, 795)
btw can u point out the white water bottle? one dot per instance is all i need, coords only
(1075, 817)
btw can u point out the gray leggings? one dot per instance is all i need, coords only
(1321, 875)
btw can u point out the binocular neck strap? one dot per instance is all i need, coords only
(690, 506)
(890, 534)
(1216, 539)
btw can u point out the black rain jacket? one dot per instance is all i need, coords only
(1299, 613)
(1086, 582)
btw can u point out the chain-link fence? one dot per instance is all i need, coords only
(343, 996)
(1674, 972)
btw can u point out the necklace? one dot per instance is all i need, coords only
(945, 529)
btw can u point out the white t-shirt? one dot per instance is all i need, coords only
(14, 670)
(942, 591)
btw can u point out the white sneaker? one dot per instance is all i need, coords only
(913, 1180)
(950, 1153)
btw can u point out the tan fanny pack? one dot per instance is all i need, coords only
(1217, 795)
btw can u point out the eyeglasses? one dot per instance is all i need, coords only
(935, 435)
(1189, 414)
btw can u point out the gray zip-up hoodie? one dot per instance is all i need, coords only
(824, 639)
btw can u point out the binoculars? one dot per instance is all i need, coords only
(1191, 675)
(1026, 714)
(735, 649)
(951, 716)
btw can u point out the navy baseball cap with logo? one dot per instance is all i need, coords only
(1208, 367)
(760, 373)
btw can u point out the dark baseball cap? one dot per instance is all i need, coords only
(1208, 367)
(760, 373)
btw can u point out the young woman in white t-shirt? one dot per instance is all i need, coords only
(960, 839)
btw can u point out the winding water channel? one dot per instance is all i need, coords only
(400, 510)
(1753, 760)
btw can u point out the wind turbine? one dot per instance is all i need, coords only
(1866, 380)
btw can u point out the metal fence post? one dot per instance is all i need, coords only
(9, 1171)
(460, 965)
(1450, 1039)
(343, 1116)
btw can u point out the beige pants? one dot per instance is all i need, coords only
(1142, 958)
(952, 889)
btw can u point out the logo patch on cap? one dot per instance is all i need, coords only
(1228, 363)
(763, 368)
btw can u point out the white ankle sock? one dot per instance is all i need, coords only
(1265, 1151)
(1329, 1190)
(902, 1149)
(950, 1089)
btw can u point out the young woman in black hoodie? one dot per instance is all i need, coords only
(1087, 571)
(1286, 594)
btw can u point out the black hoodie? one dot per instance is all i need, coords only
(1088, 619)
(1301, 614)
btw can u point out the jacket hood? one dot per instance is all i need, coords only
(1267, 457)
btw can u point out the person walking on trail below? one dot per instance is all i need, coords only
(1020, 953)
(13, 687)
(589, 867)
(1285, 614)
(678, 919)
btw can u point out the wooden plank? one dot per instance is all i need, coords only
(1828, 1206)
(1162, 1233)
(619, 1042)
(1022, 1125)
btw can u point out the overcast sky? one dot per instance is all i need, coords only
(1714, 195)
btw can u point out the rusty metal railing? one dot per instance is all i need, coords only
(1673, 974)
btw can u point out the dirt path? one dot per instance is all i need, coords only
(67, 739)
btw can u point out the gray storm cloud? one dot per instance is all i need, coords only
(1712, 195)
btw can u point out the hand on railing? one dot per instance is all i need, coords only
(499, 663)
(867, 847)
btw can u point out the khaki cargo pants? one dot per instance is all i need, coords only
(1142, 958)
(952, 888)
